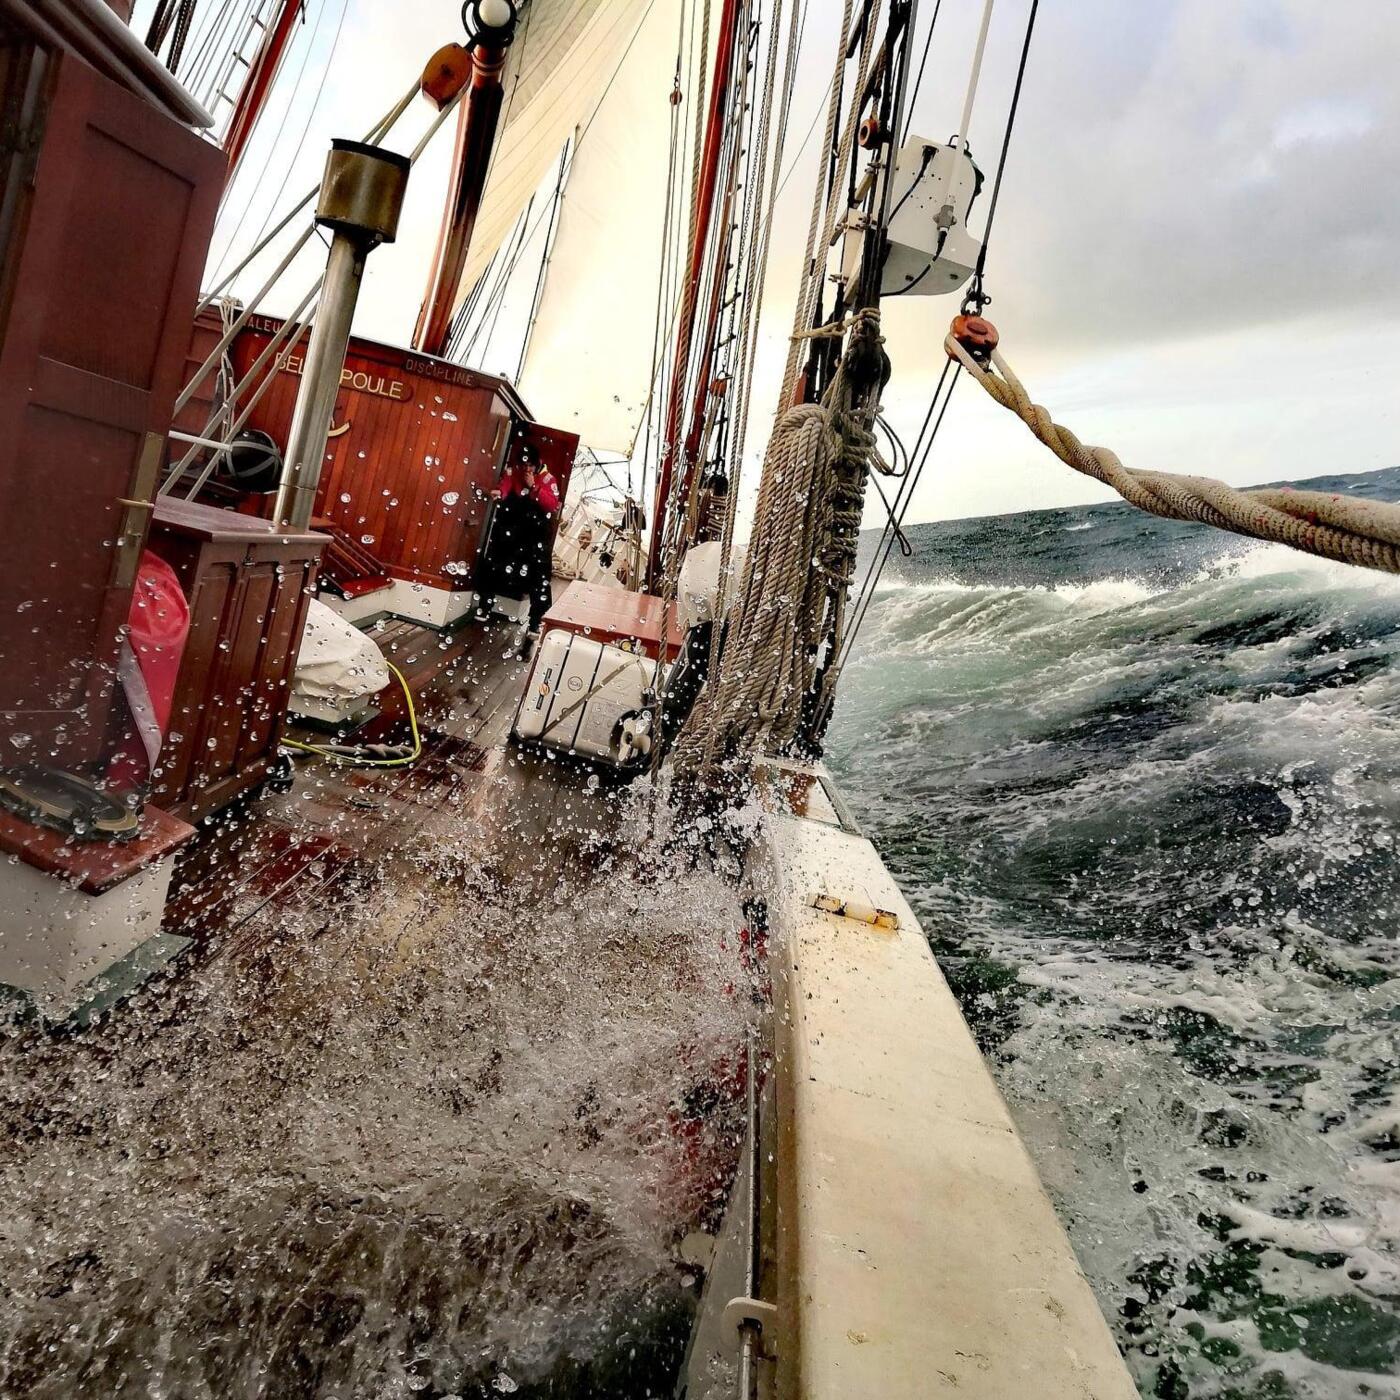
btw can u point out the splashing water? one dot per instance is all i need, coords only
(438, 1140)
(1146, 805)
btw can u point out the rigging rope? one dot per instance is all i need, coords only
(495, 297)
(919, 81)
(976, 296)
(767, 676)
(723, 262)
(183, 20)
(670, 219)
(829, 206)
(673, 423)
(893, 531)
(326, 69)
(545, 254)
(806, 526)
(1316, 522)
(218, 44)
(672, 523)
(760, 240)
(376, 135)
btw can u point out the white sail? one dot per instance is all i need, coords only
(589, 363)
(564, 55)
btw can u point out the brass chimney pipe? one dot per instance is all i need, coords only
(361, 199)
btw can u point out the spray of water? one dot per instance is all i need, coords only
(438, 1138)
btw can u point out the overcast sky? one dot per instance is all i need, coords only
(1196, 260)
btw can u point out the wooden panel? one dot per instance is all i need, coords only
(96, 866)
(54, 613)
(211, 602)
(418, 444)
(283, 628)
(618, 616)
(24, 89)
(104, 278)
(249, 586)
(133, 195)
(408, 473)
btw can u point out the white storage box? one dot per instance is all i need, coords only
(584, 697)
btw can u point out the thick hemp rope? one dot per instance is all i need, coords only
(1332, 526)
(767, 659)
(801, 555)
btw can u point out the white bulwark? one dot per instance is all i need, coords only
(915, 1250)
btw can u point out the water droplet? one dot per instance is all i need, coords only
(366, 539)
(345, 495)
(450, 498)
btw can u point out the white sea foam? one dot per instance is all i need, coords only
(1170, 809)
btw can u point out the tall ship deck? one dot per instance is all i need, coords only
(435, 955)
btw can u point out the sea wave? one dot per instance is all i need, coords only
(1142, 786)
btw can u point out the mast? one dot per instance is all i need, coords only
(704, 384)
(704, 216)
(477, 120)
(252, 97)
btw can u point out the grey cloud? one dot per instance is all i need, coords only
(1183, 168)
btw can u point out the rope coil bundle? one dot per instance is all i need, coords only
(1332, 526)
(776, 661)
(800, 562)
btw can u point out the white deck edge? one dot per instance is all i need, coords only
(917, 1252)
(55, 938)
(414, 602)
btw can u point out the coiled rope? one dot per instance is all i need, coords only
(1336, 527)
(806, 528)
(787, 618)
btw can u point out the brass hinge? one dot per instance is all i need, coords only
(135, 511)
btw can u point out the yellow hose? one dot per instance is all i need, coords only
(332, 756)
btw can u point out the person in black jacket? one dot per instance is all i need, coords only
(518, 550)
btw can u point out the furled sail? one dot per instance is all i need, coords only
(589, 363)
(564, 55)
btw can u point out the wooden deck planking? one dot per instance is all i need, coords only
(259, 863)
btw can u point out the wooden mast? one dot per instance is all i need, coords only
(478, 117)
(704, 217)
(704, 384)
(252, 97)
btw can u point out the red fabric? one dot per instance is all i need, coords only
(160, 623)
(545, 490)
(158, 627)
